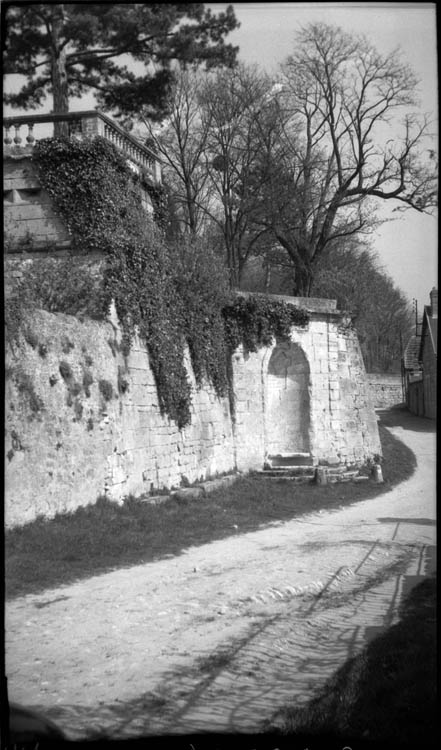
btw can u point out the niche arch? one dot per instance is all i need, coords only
(287, 401)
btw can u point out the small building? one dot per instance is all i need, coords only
(428, 354)
(419, 364)
(413, 376)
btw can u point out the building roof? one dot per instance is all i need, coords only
(430, 325)
(411, 353)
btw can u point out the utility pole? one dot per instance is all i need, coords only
(415, 307)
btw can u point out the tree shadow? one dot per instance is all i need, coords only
(387, 693)
(400, 416)
(200, 702)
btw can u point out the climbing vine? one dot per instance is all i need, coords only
(255, 321)
(173, 295)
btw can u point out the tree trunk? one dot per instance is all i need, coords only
(58, 71)
(233, 264)
(267, 277)
(303, 282)
(234, 274)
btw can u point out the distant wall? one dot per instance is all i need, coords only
(386, 389)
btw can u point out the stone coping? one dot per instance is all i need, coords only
(311, 304)
(316, 306)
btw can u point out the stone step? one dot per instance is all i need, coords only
(289, 459)
(296, 479)
(337, 469)
(307, 474)
(337, 475)
(294, 471)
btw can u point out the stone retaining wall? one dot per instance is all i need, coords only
(29, 214)
(83, 421)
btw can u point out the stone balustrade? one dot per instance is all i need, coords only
(83, 125)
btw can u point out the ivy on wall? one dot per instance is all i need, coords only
(172, 295)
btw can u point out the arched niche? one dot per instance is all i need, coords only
(287, 403)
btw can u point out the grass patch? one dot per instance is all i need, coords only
(105, 536)
(387, 694)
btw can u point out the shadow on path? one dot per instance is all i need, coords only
(285, 656)
(388, 692)
(399, 416)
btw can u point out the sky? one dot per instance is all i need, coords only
(407, 244)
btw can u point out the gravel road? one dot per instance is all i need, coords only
(219, 637)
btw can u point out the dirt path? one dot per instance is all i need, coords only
(219, 637)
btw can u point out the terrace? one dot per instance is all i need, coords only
(31, 221)
(79, 125)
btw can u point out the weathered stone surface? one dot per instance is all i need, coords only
(321, 475)
(28, 209)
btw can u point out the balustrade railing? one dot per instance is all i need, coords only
(84, 125)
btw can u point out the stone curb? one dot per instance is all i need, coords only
(193, 493)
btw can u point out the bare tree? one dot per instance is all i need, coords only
(209, 144)
(181, 142)
(350, 273)
(231, 104)
(340, 146)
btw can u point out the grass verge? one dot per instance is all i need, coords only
(387, 694)
(101, 537)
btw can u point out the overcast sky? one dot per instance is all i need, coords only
(407, 246)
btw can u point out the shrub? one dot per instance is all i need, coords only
(31, 337)
(87, 382)
(255, 321)
(200, 281)
(66, 345)
(75, 388)
(65, 370)
(78, 408)
(123, 384)
(106, 389)
(26, 386)
(69, 285)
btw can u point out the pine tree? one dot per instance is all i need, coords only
(70, 49)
